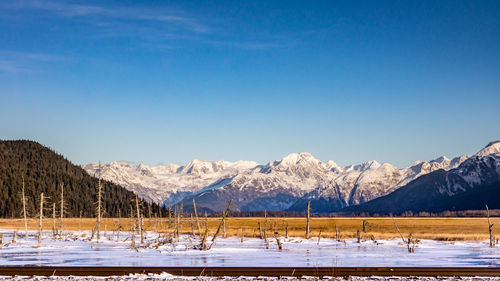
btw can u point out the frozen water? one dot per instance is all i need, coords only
(76, 250)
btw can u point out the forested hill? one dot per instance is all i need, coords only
(44, 170)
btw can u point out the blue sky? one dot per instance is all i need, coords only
(169, 81)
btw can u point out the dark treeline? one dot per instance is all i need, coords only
(283, 214)
(462, 213)
(44, 170)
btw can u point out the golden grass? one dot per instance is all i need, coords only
(381, 228)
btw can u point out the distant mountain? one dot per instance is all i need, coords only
(469, 186)
(43, 171)
(285, 184)
(365, 182)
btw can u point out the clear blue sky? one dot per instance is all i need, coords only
(169, 81)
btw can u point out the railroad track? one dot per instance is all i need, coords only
(248, 271)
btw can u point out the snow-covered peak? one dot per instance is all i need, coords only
(366, 165)
(442, 159)
(334, 167)
(298, 158)
(492, 147)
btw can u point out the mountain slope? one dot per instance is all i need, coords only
(365, 182)
(44, 170)
(458, 189)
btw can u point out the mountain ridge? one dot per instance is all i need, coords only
(285, 184)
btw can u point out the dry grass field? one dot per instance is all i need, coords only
(378, 228)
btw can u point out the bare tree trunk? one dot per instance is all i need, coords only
(203, 245)
(62, 207)
(224, 215)
(336, 232)
(308, 226)
(180, 218)
(141, 226)
(132, 243)
(54, 231)
(156, 223)
(280, 245)
(358, 236)
(14, 240)
(490, 229)
(24, 214)
(286, 230)
(1, 241)
(265, 230)
(98, 225)
(407, 242)
(40, 226)
(242, 233)
(169, 216)
(197, 220)
(192, 225)
(80, 222)
(139, 223)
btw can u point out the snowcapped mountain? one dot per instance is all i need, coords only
(367, 181)
(471, 185)
(171, 183)
(285, 184)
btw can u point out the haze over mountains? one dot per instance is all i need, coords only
(288, 184)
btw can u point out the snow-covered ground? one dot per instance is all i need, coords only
(151, 277)
(77, 250)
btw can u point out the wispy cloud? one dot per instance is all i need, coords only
(12, 62)
(247, 45)
(71, 10)
(159, 28)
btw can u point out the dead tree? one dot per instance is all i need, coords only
(224, 215)
(490, 229)
(24, 214)
(1, 241)
(410, 242)
(180, 213)
(80, 222)
(197, 220)
(242, 233)
(54, 231)
(308, 226)
(365, 225)
(337, 232)
(132, 242)
(265, 235)
(62, 207)
(192, 225)
(139, 223)
(141, 226)
(99, 194)
(280, 244)
(203, 245)
(358, 236)
(40, 226)
(169, 216)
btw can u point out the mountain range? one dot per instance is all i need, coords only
(288, 184)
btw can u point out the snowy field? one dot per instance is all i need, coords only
(151, 277)
(75, 249)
